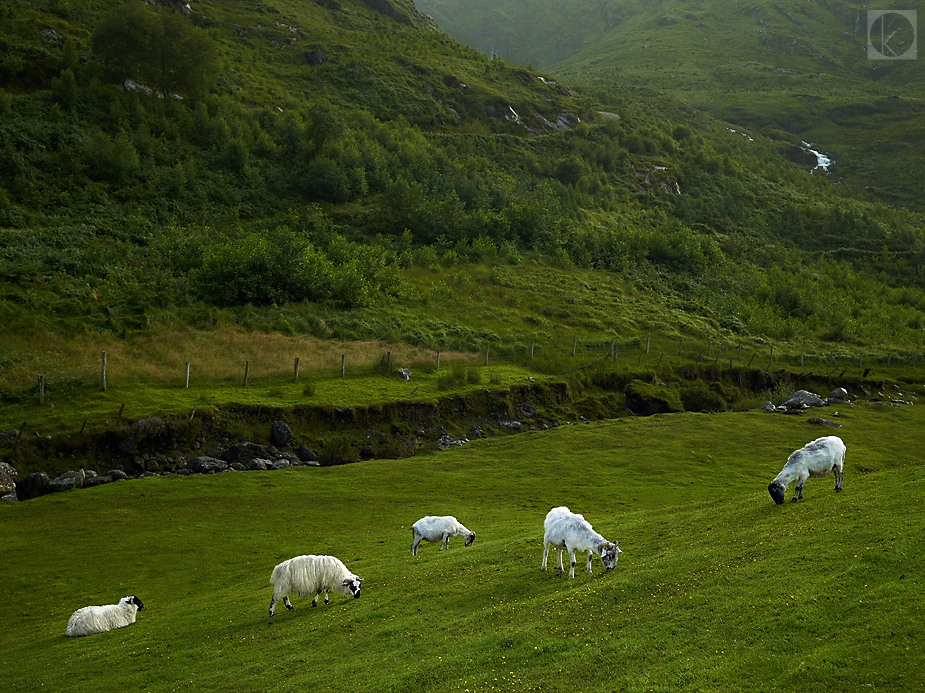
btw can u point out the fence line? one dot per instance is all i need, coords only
(569, 354)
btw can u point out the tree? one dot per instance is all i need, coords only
(121, 40)
(182, 58)
(162, 48)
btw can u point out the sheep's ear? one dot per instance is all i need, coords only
(347, 581)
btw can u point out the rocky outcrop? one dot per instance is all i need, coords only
(280, 434)
(8, 478)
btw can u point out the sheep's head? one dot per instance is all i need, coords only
(470, 538)
(777, 492)
(353, 584)
(132, 599)
(609, 554)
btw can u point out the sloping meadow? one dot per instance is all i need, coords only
(718, 588)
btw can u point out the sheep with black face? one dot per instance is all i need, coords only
(98, 619)
(310, 576)
(815, 459)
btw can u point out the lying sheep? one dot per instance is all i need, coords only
(438, 528)
(99, 619)
(310, 576)
(815, 459)
(569, 531)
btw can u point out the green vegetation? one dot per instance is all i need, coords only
(716, 583)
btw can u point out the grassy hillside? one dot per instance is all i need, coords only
(793, 71)
(716, 583)
(417, 196)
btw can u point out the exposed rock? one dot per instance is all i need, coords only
(9, 435)
(280, 434)
(768, 407)
(258, 464)
(33, 486)
(306, 455)
(802, 399)
(10, 497)
(237, 466)
(667, 21)
(838, 396)
(314, 57)
(245, 452)
(206, 465)
(527, 410)
(175, 5)
(52, 35)
(117, 475)
(280, 464)
(8, 478)
(67, 481)
(403, 373)
(511, 425)
(823, 422)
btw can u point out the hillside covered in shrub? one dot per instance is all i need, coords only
(321, 155)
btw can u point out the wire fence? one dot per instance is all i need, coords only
(551, 356)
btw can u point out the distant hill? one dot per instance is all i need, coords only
(796, 72)
(327, 151)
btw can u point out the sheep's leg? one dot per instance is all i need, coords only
(559, 560)
(414, 544)
(272, 605)
(545, 554)
(571, 571)
(287, 602)
(315, 600)
(588, 567)
(445, 544)
(326, 600)
(839, 474)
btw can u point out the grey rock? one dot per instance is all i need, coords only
(823, 422)
(281, 464)
(67, 481)
(802, 399)
(245, 452)
(306, 455)
(33, 486)
(258, 464)
(280, 434)
(206, 465)
(403, 373)
(10, 497)
(8, 478)
(768, 407)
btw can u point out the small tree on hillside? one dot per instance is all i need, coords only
(121, 40)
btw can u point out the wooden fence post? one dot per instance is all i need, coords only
(343, 364)
(531, 348)
(801, 358)
(186, 378)
(103, 374)
(613, 354)
(295, 375)
(574, 345)
(438, 359)
(648, 337)
(247, 367)
(486, 355)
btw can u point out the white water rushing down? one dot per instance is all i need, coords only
(822, 161)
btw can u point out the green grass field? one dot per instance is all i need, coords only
(717, 589)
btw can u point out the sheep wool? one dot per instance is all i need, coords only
(815, 459)
(310, 576)
(98, 619)
(568, 531)
(440, 528)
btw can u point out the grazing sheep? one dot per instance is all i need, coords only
(816, 459)
(99, 619)
(570, 531)
(438, 528)
(310, 576)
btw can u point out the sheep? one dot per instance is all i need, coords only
(438, 528)
(312, 575)
(99, 619)
(817, 459)
(570, 531)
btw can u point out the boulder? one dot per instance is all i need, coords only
(245, 452)
(280, 434)
(403, 373)
(768, 407)
(67, 481)
(206, 465)
(823, 422)
(117, 475)
(280, 464)
(667, 21)
(33, 486)
(258, 464)
(314, 57)
(306, 455)
(8, 478)
(802, 399)
(10, 497)
(11, 434)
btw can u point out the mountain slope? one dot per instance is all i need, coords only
(797, 72)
